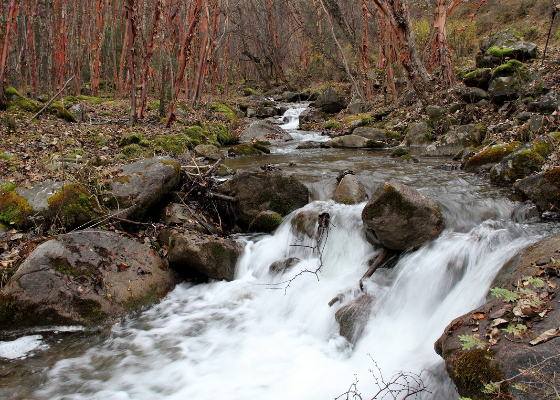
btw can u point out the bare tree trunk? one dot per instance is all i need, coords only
(13, 7)
(131, 29)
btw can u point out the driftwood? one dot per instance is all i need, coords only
(51, 100)
(376, 264)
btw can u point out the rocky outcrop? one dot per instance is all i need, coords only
(309, 117)
(495, 48)
(399, 217)
(264, 131)
(353, 317)
(456, 140)
(350, 190)
(543, 189)
(257, 190)
(348, 142)
(83, 278)
(211, 256)
(418, 136)
(331, 101)
(516, 330)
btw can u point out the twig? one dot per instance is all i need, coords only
(51, 100)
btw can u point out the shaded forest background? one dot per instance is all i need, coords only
(202, 49)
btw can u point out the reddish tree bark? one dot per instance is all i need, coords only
(13, 7)
(387, 55)
(96, 47)
(130, 7)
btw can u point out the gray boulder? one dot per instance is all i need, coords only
(543, 189)
(331, 101)
(376, 134)
(418, 136)
(77, 110)
(84, 278)
(256, 190)
(353, 317)
(434, 112)
(479, 78)
(348, 142)
(356, 107)
(264, 131)
(211, 256)
(265, 112)
(350, 190)
(456, 140)
(550, 102)
(399, 217)
(309, 117)
(208, 151)
(470, 94)
(265, 221)
(522, 162)
(290, 96)
(504, 88)
(136, 187)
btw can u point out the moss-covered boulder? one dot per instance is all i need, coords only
(256, 190)
(543, 189)
(17, 102)
(495, 48)
(521, 163)
(311, 117)
(331, 101)
(135, 188)
(83, 278)
(265, 221)
(14, 209)
(399, 217)
(490, 155)
(353, 317)
(210, 256)
(73, 204)
(350, 190)
(479, 78)
(247, 149)
(230, 115)
(178, 143)
(209, 152)
(418, 136)
(60, 111)
(485, 349)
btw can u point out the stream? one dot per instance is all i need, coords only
(255, 338)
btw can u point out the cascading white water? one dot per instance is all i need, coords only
(251, 339)
(291, 119)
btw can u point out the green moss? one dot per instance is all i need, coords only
(392, 135)
(524, 163)
(176, 165)
(7, 157)
(375, 144)
(400, 151)
(261, 147)
(473, 370)
(14, 209)
(61, 112)
(91, 99)
(220, 132)
(543, 149)
(228, 112)
(367, 120)
(332, 125)
(556, 136)
(512, 67)
(8, 187)
(133, 303)
(73, 203)
(177, 144)
(11, 91)
(474, 73)
(132, 150)
(407, 157)
(248, 91)
(24, 104)
(265, 223)
(244, 150)
(134, 138)
(388, 197)
(501, 52)
(70, 100)
(153, 106)
(428, 135)
(493, 155)
(90, 311)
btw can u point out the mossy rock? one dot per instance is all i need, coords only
(375, 144)
(399, 152)
(516, 166)
(500, 52)
(14, 209)
(512, 67)
(473, 370)
(492, 155)
(178, 143)
(543, 189)
(24, 104)
(265, 221)
(543, 149)
(246, 149)
(221, 132)
(58, 109)
(261, 147)
(74, 204)
(134, 138)
(12, 91)
(228, 112)
(90, 99)
(132, 150)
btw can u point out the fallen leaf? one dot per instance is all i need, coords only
(498, 322)
(546, 336)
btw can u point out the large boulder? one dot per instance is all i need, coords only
(265, 221)
(495, 48)
(135, 188)
(309, 117)
(348, 142)
(418, 136)
(350, 190)
(210, 256)
(83, 278)
(353, 317)
(257, 190)
(504, 88)
(471, 94)
(264, 131)
(399, 217)
(519, 164)
(543, 189)
(512, 340)
(489, 156)
(456, 140)
(376, 134)
(208, 151)
(331, 101)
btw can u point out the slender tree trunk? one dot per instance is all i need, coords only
(98, 39)
(13, 7)
(131, 30)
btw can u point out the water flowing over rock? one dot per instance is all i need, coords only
(309, 117)
(257, 190)
(264, 131)
(139, 186)
(354, 316)
(350, 190)
(213, 257)
(84, 278)
(282, 266)
(399, 217)
(510, 335)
